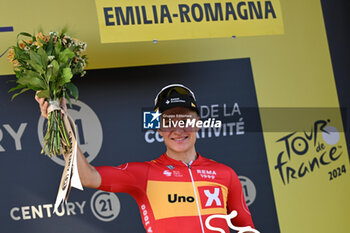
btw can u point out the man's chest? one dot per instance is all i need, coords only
(185, 191)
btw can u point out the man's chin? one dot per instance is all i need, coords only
(179, 149)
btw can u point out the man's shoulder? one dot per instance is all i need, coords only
(133, 165)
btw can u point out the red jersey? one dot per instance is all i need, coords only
(175, 197)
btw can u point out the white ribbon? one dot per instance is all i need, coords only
(70, 176)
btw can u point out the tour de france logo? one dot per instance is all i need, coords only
(308, 152)
(89, 130)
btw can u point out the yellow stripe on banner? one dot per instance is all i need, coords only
(126, 21)
(172, 199)
(82, 18)
(296, 92)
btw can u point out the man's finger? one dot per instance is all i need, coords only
(41, 101)
(37, 97)
(43, 109)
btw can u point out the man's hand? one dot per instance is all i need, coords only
(43, 104)
(89, 176)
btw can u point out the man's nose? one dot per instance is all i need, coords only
(178, 128)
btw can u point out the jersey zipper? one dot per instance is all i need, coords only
(195, 194)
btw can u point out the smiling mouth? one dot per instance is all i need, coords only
(180, 139)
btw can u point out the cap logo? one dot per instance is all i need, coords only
(177, 100)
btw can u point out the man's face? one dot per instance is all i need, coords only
(177, 136)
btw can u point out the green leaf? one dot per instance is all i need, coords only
(24, 34)
(73, 90)
(49, 73)
(23, 90)
(35, 57)
(65, 55)
(44, 94)
(19, 86)
(26, 43)
(18, 73)
(66, 76)
(32, 79)
(43, 57)
(21, 55)
(34, 88)
(55, 70)
(37, 67)
(65, 95)
(19, 52)
(64, 30)
(41, 41)
(58, 47)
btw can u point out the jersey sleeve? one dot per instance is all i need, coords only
(127, 178)
(237, 202)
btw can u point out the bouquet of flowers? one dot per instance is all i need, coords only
(46, 64)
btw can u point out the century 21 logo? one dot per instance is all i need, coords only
(308, 150)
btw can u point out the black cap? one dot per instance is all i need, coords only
(175, 95)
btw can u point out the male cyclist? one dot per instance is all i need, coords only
(179, 190)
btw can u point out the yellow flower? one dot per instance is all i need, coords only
(11, 55)
(11, 58)
(15, 63)
(38, 43)
(46, 38)
(22, 45)
(37, 37)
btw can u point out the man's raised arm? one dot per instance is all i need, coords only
(89, 176)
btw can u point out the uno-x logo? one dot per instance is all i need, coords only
(177, 198)
(211, 197)
(228, 218)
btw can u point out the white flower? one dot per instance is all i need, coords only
(51, 58)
